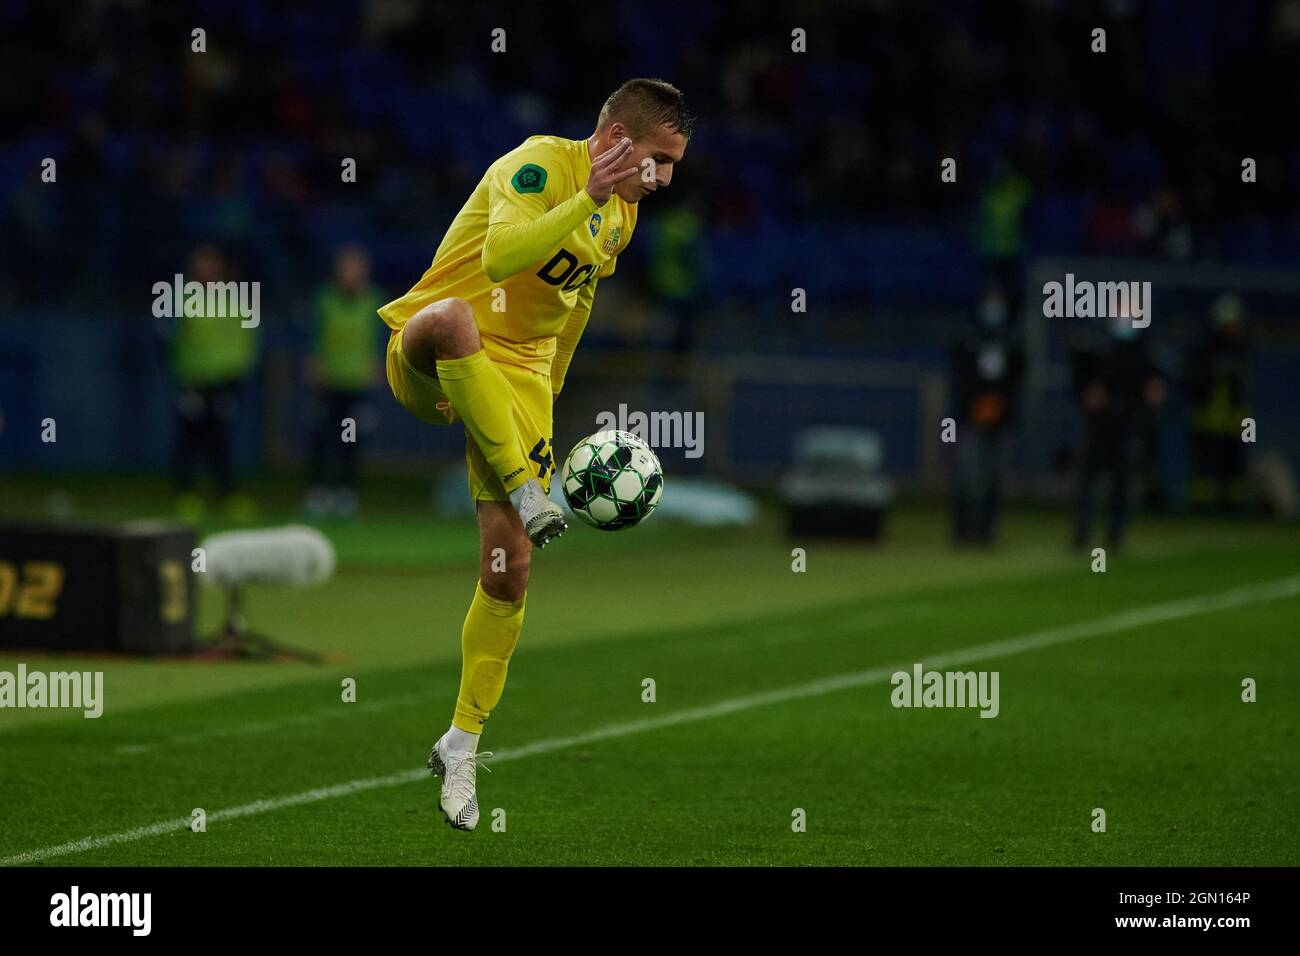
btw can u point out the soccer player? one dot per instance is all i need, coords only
(485, 338)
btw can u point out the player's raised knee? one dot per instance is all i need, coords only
(452, 312)
(441, 330)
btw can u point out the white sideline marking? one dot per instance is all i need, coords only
(1125, 620)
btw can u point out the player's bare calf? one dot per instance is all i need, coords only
(505, 553)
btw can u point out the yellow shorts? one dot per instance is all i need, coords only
(421, 395)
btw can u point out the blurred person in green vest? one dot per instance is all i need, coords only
(679, 265)
(213, 355)
(1218, 380)
(341, 369)
(999, 229)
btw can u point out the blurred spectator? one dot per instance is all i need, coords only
(1118, 385)
(1218, 378)
(212, 355)
(342, 367)
(1162, 228)
(679, 267)
(1000, 237)
(987, 370)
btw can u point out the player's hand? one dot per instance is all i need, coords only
(607, 171)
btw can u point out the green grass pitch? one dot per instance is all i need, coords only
(1145, 722)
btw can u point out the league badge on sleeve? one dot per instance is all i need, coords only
(531, 178)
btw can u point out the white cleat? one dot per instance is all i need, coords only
(542, 518)
(459, 800)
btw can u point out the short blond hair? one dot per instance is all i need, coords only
(643, 104)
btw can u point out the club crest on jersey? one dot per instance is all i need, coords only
(594, 225)
(611, 243)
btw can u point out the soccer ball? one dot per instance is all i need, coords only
(612, 480)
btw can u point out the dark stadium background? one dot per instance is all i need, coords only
(816, 171)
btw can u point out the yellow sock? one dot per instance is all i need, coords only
(484, 400)
(486, 643)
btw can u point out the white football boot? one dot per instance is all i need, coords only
(541, 516)
(459, 801)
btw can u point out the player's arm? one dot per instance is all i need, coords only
(567, 341)
(524, 225)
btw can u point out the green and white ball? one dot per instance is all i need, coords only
(612, 480)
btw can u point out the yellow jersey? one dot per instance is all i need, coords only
(525, 281)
